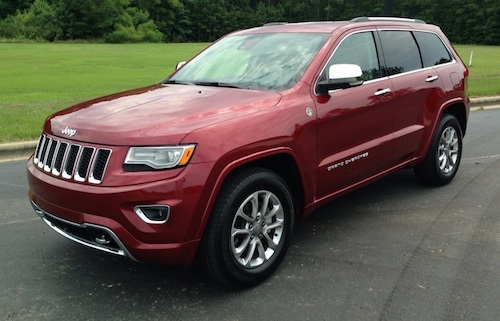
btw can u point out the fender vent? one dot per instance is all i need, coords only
(71, 161)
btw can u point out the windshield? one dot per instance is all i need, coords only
(274, 61)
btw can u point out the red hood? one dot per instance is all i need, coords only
(167, 113)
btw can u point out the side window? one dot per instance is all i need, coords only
(400, 51)
(358, 49)
(433, 50)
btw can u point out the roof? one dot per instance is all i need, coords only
(316, 27)
(330, 26)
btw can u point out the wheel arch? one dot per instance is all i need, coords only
(281, 161)
(286, 167)
(460, 111)
(248, 233)
(443, 158)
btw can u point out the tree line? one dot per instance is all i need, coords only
(119, 21)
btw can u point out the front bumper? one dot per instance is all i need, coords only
(103, 218)
(94, 236)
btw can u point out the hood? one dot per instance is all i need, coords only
(159, 114)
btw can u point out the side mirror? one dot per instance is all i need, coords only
(342, 76)
(180, 65)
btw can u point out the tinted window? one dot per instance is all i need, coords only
(400, 51)
(433, 50)
(358, 49)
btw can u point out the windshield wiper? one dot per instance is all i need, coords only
(177, 82)
(203, 83)
(216, 84)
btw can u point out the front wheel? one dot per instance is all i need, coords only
(248, 233)
(443, 158)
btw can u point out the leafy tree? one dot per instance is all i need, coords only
(134, 26)
(181, 29)
(10, 7)
(87, 19)
(265, 14)
(465, 28)
(168, 15)
(38, 22)
(464, 21)
(492, 24)
(12, 27)
(41, 22)
(295, 11)
(208, 17)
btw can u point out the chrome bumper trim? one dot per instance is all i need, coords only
(48, 218)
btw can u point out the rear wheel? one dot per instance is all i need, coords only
(443, 158)
(249, 230)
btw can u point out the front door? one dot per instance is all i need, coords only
(355, 125)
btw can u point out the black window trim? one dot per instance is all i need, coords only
(413, 30)
(380, 53)
(450, 52)
(378, 50)
(410, 30)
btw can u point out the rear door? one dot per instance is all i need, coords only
(417, 91)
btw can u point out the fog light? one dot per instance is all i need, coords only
(153, 214)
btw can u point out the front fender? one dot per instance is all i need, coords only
(232, 161)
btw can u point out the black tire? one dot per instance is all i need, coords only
(241, 247)
(443, 158)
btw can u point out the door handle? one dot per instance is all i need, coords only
(382, 92)
(432, 78)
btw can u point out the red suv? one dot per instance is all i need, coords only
(217, 162)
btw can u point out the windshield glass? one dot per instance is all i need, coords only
(274, 61)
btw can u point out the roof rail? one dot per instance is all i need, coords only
(367, 19)
(274, 24)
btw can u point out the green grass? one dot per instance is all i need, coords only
(484, 79)
(37, 79)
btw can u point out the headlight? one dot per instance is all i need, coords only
(160, 157)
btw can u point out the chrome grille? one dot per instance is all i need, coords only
(71, 161)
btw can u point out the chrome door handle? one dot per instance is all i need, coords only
(432, 78)
(381, 92)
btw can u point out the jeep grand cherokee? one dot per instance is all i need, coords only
(216, 162)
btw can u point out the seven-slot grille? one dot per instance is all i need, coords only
(70, 160)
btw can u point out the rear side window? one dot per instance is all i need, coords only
(433, 50)
(400, 51)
